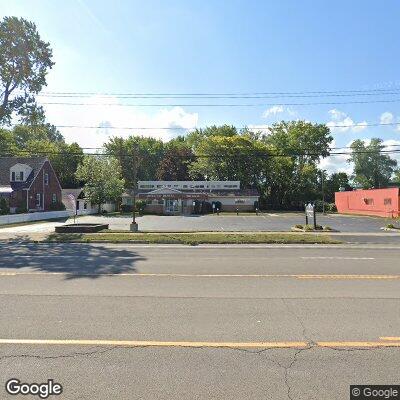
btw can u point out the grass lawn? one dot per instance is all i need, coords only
(196, 238)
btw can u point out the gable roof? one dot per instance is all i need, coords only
(7, 162)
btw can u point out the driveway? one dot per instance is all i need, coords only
(263, 222)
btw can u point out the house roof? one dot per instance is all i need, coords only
(7, 162)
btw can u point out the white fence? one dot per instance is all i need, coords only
(37, 216)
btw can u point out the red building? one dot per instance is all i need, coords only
(379, 202)
(29, 184)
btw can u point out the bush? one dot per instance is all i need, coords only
(308, 227)
(4, 209)
(298, 226)
(331, 207)
(57, 206)
(140, 205)
(327, 228)
(126, 208)
(218, 205)
(391, 226)
(318, 227)
(21, 210)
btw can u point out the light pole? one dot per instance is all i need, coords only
(323, 190)
(134, 225)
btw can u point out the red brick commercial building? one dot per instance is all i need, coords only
(29, 184)
(375, 202)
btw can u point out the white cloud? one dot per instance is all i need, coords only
(336, 163)
(274, 110)
(341, 122)
(387, 118)
(112, 115)
(257, 128)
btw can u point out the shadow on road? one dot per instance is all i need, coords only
(75, 261)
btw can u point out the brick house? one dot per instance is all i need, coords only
(29, 183)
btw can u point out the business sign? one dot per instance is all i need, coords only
(310, 215)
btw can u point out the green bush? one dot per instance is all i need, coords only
(308, 227)
(327, 228)
(318, 227)
(298, 226)
(4, 209)
(126, 208)
(140, 205)
(57, 206)
(331, 207)
(21, 210)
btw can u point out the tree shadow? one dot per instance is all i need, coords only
(72, 260)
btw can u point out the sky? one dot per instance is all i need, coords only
(248, 46)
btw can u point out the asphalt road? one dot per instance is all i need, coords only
(174, 322)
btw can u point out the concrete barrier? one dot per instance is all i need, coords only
(37, 216)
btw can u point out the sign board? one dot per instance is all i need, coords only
(310, 215)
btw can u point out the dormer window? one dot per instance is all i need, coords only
(17, 176)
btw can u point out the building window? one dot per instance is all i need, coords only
(13, 176)
(85, 205)
(239, 201)
(38, 200)
(161, 202)
(46, 179)
(54, 198)
(387, 202)
(369, 202)
(21, 176)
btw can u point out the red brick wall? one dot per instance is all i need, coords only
(369, 202)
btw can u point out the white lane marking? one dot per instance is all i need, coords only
(337, 258)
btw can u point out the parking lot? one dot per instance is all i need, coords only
(224, 222)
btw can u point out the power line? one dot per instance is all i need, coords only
(223, 105)
(323, 92)
(196, 127)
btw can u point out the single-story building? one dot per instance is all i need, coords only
(186, 197)
(74, 200)
(29, 184)
(375, 202)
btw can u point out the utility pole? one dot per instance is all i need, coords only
(134, 225)
(323, 190)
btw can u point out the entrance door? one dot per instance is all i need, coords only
(171, 206)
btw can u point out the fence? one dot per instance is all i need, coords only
(37, 216)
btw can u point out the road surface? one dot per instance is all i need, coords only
(220, 322)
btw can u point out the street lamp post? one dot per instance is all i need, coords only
(323, 190)
(134, 225)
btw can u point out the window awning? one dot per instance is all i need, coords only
(5, 189)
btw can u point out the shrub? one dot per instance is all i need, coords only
(331, 207)
(21, 210)
(318, 227)
(140, 205)
(327, 228)
(308, 227)
(57, 206)
(390, 226)
(126, 208)
(4, 209)
(298, 226)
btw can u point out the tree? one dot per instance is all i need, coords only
(334, 183)
(102, 177)
(291, 173)
(372, 169)
(149, 154)
(235, 157)
(176, 161)
(24, 62)
(7, 143)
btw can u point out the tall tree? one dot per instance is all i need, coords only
(334, 183)
(233, 157)
(24, 62)
(175, 164)
(291, 173)
(149, 154)
(102, 177)
(372, 169)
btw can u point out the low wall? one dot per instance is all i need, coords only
(37, 216)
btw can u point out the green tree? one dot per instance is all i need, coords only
(291, 176)
(230, 157)
(7, 143)
(149, 153)
(334, 183)
(24, 62)
(102, 177)
(372, 169)
(175, 163)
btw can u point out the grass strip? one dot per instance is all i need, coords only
(195, 238)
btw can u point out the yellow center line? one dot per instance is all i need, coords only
(395, 338)
(198, 344)
(179, 275)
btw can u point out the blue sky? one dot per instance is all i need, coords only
(219, 47)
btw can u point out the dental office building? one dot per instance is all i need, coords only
(181, 197)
